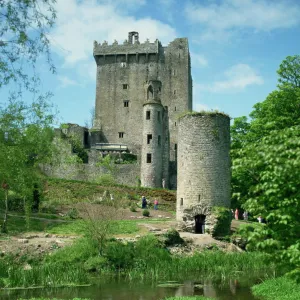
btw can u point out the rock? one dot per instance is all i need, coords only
(47, 235)
(137, 236)
(152, 229)
(27, 267)
(233, 248)
(23, 241)
(31, 236)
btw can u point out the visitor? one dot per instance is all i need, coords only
(259, 219)
(144, 202)
(232, 213)
(155, 204)
(245, 215)
(236, 214)
(163, 183)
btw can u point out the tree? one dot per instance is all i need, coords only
(25, 142)
(24, 38)
(289, 72)
(272, 166)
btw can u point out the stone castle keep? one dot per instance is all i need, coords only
(144, 107)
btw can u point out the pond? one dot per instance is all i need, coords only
(122, 290)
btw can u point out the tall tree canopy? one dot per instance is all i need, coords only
(265, 166)
(24, 37)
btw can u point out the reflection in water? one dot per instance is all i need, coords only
(121, 290)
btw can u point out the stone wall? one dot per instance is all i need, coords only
(127, 174)
(203, 166)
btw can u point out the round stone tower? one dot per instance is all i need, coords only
(152, 147)
(203, 181)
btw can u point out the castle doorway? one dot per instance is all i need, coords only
(200, 224)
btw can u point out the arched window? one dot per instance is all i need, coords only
(150, 92)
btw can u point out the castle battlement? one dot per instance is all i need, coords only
(129, 46)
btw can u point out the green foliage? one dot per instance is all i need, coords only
(72, 213)
(132, 208)
(188, 298)
(119, 255)
(46, 275)
(274, 193)
(212, 113)
(24, 29)
(80, 251)
(172, 237)
(95, 263)
(146, 213)
(106, 180)
(281, 288)
(224, 218)
(25, 142)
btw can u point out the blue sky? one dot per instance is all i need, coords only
(236, 47)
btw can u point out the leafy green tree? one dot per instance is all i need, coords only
(272, 165)
(24, 26)
(25, 142)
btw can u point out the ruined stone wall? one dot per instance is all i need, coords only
(126, 174)
(203, 165)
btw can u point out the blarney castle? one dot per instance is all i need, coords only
(144, 107)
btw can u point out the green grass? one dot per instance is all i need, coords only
(188, 298)
(45, 275)
(281, 288)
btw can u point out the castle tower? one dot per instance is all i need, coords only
(122, 70)
(203, 180)
(152, 147)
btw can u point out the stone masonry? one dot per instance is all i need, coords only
(123, 70)
(203, 168)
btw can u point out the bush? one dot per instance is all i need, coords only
(106, 179)
(224, 218)
(146, 213)
(132, 208)
(72, 213)
(95, 263)
(119, 255)
(172, 237)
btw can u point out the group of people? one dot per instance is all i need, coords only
(145, 203)
(236, 214)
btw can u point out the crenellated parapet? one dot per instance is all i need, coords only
(130, 46)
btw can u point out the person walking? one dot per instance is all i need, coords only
(144, 202)
(236, 214)
(245, 215)
(155, 204)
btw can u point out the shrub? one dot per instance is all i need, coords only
(172, 237)
(106, 179)
(72, 213)
(224, 218)
(119, 255)
(132, 208)
(95, 263)
(146, 213)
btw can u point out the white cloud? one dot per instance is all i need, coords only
(198, 60)
(80, 23)
(65, 81)
(223, 19)
(237, 78)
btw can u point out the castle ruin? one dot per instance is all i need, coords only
(144, 107)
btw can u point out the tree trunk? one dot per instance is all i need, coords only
(4, 225)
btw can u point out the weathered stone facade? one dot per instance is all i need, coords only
(122, 73)
(203, 169)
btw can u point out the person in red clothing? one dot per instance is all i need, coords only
(236, 214)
